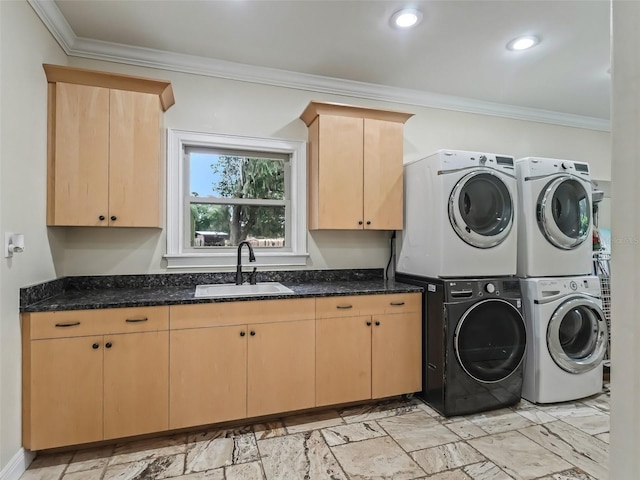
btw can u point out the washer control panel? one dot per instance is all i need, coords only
(551, 287)
(485, 288)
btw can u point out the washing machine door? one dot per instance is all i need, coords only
(564, 212)
(489, 340)
(481, 209)
(577, 335)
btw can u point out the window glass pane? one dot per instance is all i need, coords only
(236, 176)
(227, 225)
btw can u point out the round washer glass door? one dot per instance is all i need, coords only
(564, 212)
(577, 335)
(481, 209)
(490, 340)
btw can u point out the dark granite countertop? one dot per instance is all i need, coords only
(80, 293)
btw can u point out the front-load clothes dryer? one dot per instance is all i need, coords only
(566, 338)
(554, 218)
(460, 216)
(474, 342)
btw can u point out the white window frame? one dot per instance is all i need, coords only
(180, 254)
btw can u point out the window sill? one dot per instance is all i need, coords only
(229, 259)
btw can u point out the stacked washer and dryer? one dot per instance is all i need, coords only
(460, 243)
(566, 327)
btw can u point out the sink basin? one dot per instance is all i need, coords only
(233, 290)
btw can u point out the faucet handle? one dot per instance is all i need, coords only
(252, 276)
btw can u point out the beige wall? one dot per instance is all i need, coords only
(24, 45)
(210, 104)
(625, 288)
(202, 104)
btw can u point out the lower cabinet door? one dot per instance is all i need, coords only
(136, 384)
(396, 354)
(66, 392)
(281, 367)
(343, 360)
(208, 375)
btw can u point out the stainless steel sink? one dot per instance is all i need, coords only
(245, 290)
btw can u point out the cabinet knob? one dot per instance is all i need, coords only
(368, 324)
(368, 222)
(360, 222)
(377, 323)
(113, 218)
(252, 333)
(95, 346)
(242, 333)
(108, 344)
(101, 217)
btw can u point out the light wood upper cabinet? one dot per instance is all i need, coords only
(104, 164)
(355, 167)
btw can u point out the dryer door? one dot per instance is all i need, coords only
(564, 212)
(481, 209)
(489, 340)
(577, 335)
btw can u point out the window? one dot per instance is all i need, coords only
(224, 189)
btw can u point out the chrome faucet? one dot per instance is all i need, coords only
(252, 258)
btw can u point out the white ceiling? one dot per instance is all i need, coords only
(456, 58)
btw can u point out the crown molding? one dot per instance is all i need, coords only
(76, 46)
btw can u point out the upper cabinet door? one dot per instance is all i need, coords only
(383, 175)
(104, 164)
(81, 170)
(134, 168)
(355, 167)
(339, 173)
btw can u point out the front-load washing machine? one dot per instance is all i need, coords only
(460, 216)
(474, 342)
(554, 218)
(566, 338)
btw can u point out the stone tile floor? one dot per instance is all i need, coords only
(398, 439)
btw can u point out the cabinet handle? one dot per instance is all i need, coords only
(108, 344)
(368, 324)
(368, 222)
(377, 323)
(70, 324)
(252, 333)
(344, 307)
(360, 222)
(242, 333)
(136, 320)
(95, 346)
(113, 218)
(396, 304)
(101, 217)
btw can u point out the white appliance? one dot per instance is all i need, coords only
(566, 338)
(554, 218)
(460, 216)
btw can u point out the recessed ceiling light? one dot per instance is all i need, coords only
(523, 43)
(406, 18)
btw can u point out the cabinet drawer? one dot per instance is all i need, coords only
(351, 306)
(78, 323)
(240, 313)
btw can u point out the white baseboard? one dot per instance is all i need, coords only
(17, 465)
